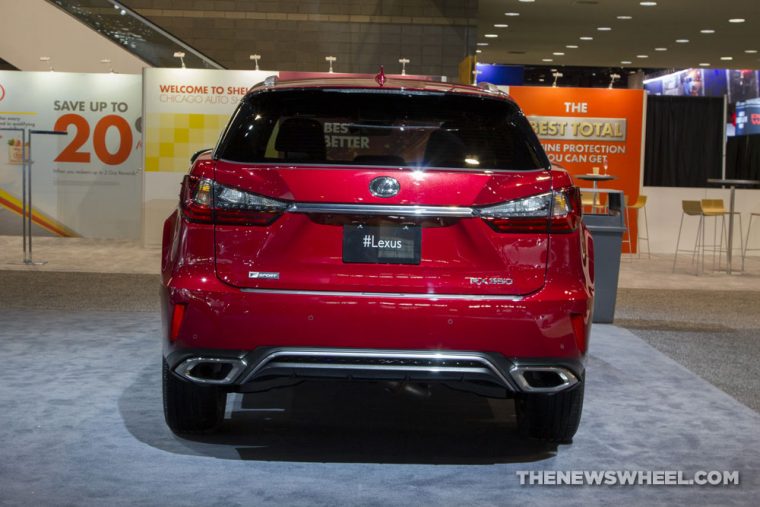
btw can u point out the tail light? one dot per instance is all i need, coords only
(204, 200)
(558, 211)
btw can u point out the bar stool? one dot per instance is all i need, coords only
(755, 213)
(692, 209)
(591, 205)
(640, 204)
(716, 208)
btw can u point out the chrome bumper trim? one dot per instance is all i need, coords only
(383, 210)
(270, 360)
(388, 295)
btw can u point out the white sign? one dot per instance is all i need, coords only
(87, 182)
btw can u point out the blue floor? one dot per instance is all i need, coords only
(81, 424)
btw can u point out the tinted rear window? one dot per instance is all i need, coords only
(388, 128)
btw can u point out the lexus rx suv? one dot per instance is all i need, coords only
(386, 231)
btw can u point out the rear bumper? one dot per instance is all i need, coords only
(492, 335)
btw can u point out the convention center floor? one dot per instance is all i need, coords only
(671, 386)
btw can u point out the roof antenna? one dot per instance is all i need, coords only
(380, 77)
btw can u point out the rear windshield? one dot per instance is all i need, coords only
(388, 128)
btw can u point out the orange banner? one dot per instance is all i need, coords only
(586, 128)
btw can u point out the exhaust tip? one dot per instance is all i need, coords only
(210, 370)
(543, 379)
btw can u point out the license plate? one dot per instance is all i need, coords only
(382, 245)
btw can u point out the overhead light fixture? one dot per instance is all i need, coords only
(181, 56)
(500, 25)
(682, 41)
(586, 38)
(490, 36)
(571, 46)
(726, 58)
(750, 51)
(547, 59)
(648, 4)
(736, 20)
(256, 59)
(107, 61)
(558, 53)
(707, 30)
(331, 60)
(511, 13)
(704, 64)
(49, 61)
(478, 51)
(625, 17)
(604, 28)
(660, 49)
(556, 75)
(482, 44)
(626, 62)
(403, 62)
(642, 56)
(526, 1)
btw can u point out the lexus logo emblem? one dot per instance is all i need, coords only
(384, 186)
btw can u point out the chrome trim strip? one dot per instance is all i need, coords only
(388, 295)
(184, 368)
(291, 165)
(383, 209)
(567, 377)
(433, 355)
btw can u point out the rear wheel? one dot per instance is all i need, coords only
(551, 417)
(191, 408)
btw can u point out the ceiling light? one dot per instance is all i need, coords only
(626, 62)
(660, 49)
(558, 53)
(547, 60)
(604, 28)
(647, 4)
(586, 38)
(490, 36)
(736, 20)
(511, 13)
(478, 51)
(682, 41)
(707, 30)
(573, 46)
(482, 44)
(704, 64)
(642, 56)
(500, 25)
(750, 51)
(625, 17)
(726, 58)
(526, 1)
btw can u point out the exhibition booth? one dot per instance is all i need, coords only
(129, 138)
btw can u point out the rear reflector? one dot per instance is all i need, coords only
(178, 315)
(579, 330)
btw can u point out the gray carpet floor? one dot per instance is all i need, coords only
(81, 424)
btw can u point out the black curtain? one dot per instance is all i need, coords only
(684, 138)
(743, 158)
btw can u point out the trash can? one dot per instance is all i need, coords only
(607, 231)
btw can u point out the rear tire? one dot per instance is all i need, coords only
(191, 408)
(551, 417)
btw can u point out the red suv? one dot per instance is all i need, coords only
(392, 231)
